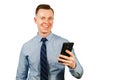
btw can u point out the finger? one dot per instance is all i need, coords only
(64, 57)
(63, 60)
(70, 53)
(70, 64)
(66, 64)
(68, 61)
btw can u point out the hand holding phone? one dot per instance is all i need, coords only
(69, 60)
(67, 46)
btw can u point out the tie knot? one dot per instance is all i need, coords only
(43, 39)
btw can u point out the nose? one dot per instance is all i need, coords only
(46, 21)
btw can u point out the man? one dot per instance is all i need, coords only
(30, 61)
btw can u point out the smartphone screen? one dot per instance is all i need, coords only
(67, 46)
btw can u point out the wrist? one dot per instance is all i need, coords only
(73, 66)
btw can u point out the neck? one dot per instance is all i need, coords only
(43, 35)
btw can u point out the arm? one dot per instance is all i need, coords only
(73, 64)
(22, 70)
(78, 70)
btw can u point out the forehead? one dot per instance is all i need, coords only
(45, 12)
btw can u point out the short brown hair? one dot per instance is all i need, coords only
(43, 6)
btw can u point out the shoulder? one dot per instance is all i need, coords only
(59, 38)
(57, 41)
(30, 42)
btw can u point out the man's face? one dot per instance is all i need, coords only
(44, 21)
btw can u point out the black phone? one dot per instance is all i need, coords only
(67, 46)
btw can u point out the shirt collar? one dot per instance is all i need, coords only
(48, 37)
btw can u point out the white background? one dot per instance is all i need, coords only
(94, 26)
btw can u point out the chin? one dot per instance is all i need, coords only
(44, 32)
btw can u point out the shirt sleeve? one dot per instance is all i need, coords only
(78, 71)
(22, 70)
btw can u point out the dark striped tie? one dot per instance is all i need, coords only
(43, 61)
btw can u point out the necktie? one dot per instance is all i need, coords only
(43, 61)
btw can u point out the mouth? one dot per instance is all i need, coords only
(45, 28)
(45, 25)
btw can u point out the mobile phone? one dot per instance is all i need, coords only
(67, 46)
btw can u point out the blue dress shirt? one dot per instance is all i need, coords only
(29, 61)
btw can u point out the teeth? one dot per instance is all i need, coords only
(45, 25)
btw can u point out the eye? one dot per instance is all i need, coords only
(42, 18)
(50, 18)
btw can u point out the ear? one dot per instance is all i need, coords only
(35, 19)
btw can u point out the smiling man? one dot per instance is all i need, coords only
(40, 57)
